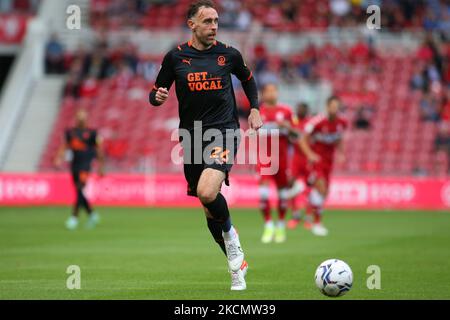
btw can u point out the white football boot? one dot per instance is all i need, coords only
(269, 233)
(72, 223)
(235, 255)
(238, 278)
(319, 230)
(93, 220)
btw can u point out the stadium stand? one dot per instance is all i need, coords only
(396, 100)
(287, 16)
(398, 141)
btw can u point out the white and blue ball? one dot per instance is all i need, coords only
(334, 278)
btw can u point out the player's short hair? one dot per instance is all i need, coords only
(196, 5)
(303, 105)
(267, 84)
(333, 98)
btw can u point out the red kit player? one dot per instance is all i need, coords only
(277, 120)
(298, 164)
(322, 136)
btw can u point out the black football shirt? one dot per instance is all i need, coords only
(82, 143)
(203, 83)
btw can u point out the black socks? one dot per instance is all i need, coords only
(219, 210)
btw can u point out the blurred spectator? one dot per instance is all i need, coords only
(340, 8)
(419, 171)
(363, 117)
(54, 56)
(429, 107)
(437, 15)
(419, 78)
(21, 6)
(289, 10)
(267, 76)
(75, 78)
(148, 69)
(97, 64)
(73, 85)
(288, 70)
(360, 52)
(89, 87)
(123, 76)
(244, 18)
(274, 16)
(424, 52)
(6, 6)
(130, 57)
(442, 141)
(260, 58)
(228, 13)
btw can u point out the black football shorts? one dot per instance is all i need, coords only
(217, 150)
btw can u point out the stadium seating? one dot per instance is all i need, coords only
(398, 143)
(309, 14)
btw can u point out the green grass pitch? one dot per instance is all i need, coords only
(169, 254)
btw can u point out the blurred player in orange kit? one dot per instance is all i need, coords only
(298, 164)
(277, 119)
(84, 145)
(322, 136)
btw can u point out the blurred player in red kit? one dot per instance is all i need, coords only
(277, 119)
(298, 164)
(322, 137)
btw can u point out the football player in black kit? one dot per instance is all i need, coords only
(201, 70)
(84, 146)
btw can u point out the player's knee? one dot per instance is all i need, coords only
(321, 187)
(264, 192)
(283, 194)
(316, 198)
(206, 195)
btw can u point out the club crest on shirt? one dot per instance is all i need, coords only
(221, 61)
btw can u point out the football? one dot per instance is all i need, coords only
(334, 278)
